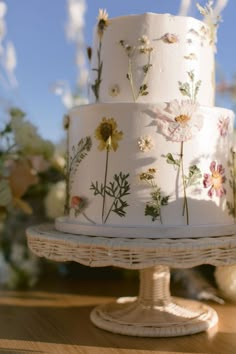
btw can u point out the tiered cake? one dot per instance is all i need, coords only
(151, 157)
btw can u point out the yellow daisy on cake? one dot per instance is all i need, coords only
(108, 135)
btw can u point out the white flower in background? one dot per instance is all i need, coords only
(59, 157)
(180, 120)
(145, 143)
(226, 280)
(17, 254)
(28, 139)
(55, 200)
(212, 17)
(5, 270)
(25, 261)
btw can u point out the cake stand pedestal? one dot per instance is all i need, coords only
(154, 313)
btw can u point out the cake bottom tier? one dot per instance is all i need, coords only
(147, 168)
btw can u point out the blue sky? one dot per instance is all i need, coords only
(45, 56)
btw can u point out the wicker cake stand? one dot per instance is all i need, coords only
(154, 313)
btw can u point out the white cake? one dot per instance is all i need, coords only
(151, 156)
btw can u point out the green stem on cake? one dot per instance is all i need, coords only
(131, 80)
(185, 205)
(105, 186)
(143, 88)
(97, 83)
(110, 210)
(87, 218)
(154, 187)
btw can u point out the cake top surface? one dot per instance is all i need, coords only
(184, 18)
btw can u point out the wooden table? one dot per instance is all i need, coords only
(54, 318)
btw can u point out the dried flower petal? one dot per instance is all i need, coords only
(170, 38)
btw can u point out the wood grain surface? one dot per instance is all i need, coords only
(54, 318)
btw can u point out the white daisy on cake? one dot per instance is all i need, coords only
(179, 121)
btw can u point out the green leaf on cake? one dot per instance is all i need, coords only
(231, 208)
(153, 206)
(78, 154)
(190, 89)
(171, 160)
(197, 88)
(193, 177)
(184, 89)
(116, 190)
(191, 75)
(143, 90)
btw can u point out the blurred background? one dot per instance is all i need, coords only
(44, 72)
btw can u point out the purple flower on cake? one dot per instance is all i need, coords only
(179, 121)
(215, 180)
(223, 125)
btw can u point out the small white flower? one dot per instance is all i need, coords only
(114, 90)
(144, 40)
(144, 50)
(145, 143)
(55, 200)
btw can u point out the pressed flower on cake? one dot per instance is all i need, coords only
(108, 135)
(102, 25)
(132, 52)
(170, 38)
(158, 200)
(114, 90)
(215, 180)
(79, 204)
(145, 143)
(179, 121)
(223, 125)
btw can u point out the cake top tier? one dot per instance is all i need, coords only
(152, 58)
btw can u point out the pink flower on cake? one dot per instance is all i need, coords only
(78, 203)
(179, 121)
(215, 180)
(223, 125)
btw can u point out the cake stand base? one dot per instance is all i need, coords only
(154, 313)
